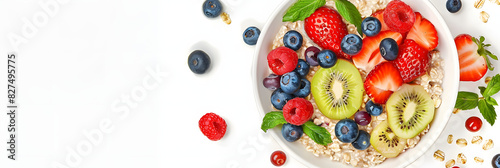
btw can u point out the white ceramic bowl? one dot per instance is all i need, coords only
(450, 87)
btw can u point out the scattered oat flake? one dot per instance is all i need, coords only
(484, 16)
(488, 144)
(461, 142)
(476, 139)
(450, 163)
(450, 139)
(478, 160)
(461, 158)
(495, 1)
(487, 79)
(478, 4)
(455, 111)
(439, 155)
(225, 18)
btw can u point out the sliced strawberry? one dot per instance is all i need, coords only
(382, 81)
(380, 16)
(413, 60)
(472, 57)
(424, 33)
(369, 56)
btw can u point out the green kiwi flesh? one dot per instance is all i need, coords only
(338, 91)
(409, 110)
(385, 142)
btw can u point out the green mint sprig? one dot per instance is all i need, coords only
(470, 100)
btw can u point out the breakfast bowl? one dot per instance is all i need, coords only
(450, 84)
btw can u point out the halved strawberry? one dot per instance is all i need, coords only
(423, 32)
(413, 60)
(369, 56)
(380, 16)
(473, 57)
(382, 81)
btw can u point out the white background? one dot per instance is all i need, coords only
(123, 64)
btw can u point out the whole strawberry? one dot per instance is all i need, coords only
(212, 126)
(326, 28)
(473, 57)
(413, 60)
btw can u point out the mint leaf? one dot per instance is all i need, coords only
(488, 111)
(272, 119)
(493, 86)
(466, 100)
(350, 13)
(302, 9)
(481, 89)
(318, 134)
(491, 100)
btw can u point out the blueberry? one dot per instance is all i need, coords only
(250, 35)
(304, 90)
(198, 61)
(293, 40)
(346, 130)
(363, 140)
(272, 82)
(389, 49)
(311, 55)
(302, 68)
(453, 6)
(351, 44)
(373, 108)
(291, 132)
(279, 99)
(327, 58)
(290, 82)
(371, 26)
(212, 8)
(495, 162)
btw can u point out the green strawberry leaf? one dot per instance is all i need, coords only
(318, 134)
(466, 100)
(272, 119)
(488, 111)
(302, 9)
(493, 86)
(350, 13)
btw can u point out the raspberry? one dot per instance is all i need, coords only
(399, 17)
(298, 111)
(212, 126)
(282, 60)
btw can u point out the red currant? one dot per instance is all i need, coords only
(473, 124)
(278, 158)
(455, 167)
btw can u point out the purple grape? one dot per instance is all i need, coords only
(362, 118)
(311, 55)
(272, 82)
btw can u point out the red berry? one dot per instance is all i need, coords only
(455, 167)
(282, 60)
(382, 81)
(278, 158)
(399, 16)
(212, 126)
(413, 60)
(473, 124)
(298, 111)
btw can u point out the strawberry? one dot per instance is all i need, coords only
(369, 56)
(380, 16)
(472, 57)
(382, 81)
(423, 32)
(326, 28)
(413, 60)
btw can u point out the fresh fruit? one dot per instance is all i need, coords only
(212, 126)
(338, 91)
(382, 81)
(298, 111)
(424, 33)
(251, 35)
(362, 118)
(304, 90)
(279, 99)
(413, 60)
(327, 58)
(272, 82)
(409, 111)
(291, 132)
(380, 16)
(495, 161)
(473, 57)
(293, 40)
(389, 49)
(453, 6)
(473, 124)
(371, 26)
(370, 56)
(198, 61)
(351, 44)
(346, 130)
(311, 55)
(455, 167)
(399, 16)
(278, 158)
(282, 60)
(326, 28)
(290, 82)
(385, 141)
(363, 140)
(373, 109)
(302, 68)
(212, 8)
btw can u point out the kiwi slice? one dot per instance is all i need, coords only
(338, 90)
(385, 142)
(409, 110)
